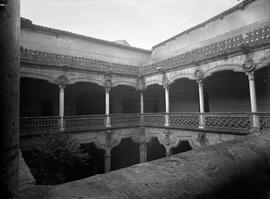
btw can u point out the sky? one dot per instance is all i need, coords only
(142, 23)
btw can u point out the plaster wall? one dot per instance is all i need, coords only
(67, 45)
(254, 15)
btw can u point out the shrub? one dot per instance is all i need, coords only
(57, 158)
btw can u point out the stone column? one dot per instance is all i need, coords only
(253, 101)
(9, 96)
(143, 152)
(201, 102)
(167, 105)
(141, 102)
(61, 106)
(107, 157)
(107, 106)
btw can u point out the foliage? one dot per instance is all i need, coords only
(57, 158)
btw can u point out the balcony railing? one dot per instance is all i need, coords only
(219, 122)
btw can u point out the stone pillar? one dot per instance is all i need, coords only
(107, 107)
(167, 105)
(201, 102)
(253, 101)
(9, 97)
(61, 106)
(168, 152)
(143, 152)
(141, 102)
(107, 157)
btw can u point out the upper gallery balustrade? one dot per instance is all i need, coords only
(239, 123)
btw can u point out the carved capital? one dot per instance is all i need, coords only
(198, 74)
(62, 81)
(165, 82)
(248, 65)
(140, 84)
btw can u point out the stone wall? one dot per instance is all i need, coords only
(240, 20)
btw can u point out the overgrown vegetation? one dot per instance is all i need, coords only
(57, 158)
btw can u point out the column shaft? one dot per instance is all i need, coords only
(107, 107)
(167, 105)
(61, 106)
(143, 153)
(107, 157)
(9, 96)
(201, 102)
(141, 102)
(253, 100)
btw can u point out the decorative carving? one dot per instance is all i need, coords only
(198, 74)
(62, 80)
(167, 136)
(249, 65)
(219, 49)
(165, 83)
(202, 138)
(140, 84)
(59, 60)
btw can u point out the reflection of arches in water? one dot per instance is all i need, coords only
(127, 153)
(96, 163)
(155, 150)
(182, 146)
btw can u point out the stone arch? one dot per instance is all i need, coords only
(32, 75)
(179, 76)
(263, 63)
(218, 68)
(87, 80)
(153, 82)
(123, 83)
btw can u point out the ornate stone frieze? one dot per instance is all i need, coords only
(260, 36)
(53, 59)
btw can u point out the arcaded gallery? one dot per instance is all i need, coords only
(126, 105)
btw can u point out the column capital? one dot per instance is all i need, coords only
(249, 65)
(140, 84)
(198, 75)
(108, 85)
(250, 75)
(62, 81)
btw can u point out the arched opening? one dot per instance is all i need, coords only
(38, 98)
(155, 150)
(184, 96)
(127, 153)
(227, 91)
(154, 99)
(262, 82)
(124, 99)
(84, 99)
(182, 146)
(95, 165)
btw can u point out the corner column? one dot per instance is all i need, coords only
(9, 95)
(141, 102)
(107, 157)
